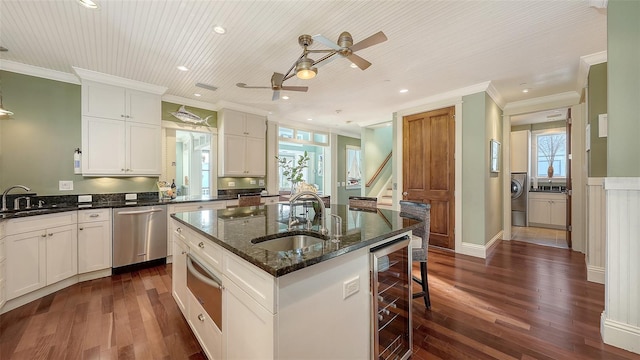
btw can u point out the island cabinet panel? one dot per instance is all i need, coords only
(258, 284)
(179, 274)
(249, 327)
(207, 333)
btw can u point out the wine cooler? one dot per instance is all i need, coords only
(391, 300)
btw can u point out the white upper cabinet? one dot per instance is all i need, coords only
(242, 143)
(121, 126)
(520, 151)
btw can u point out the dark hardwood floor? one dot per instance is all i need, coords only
(525, 301)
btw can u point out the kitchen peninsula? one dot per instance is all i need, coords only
(314, 303)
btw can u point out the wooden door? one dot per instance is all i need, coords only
(569, 186)
(428, 169)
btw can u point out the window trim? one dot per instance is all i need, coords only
(311, 132)
(534, 150)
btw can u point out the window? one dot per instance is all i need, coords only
(549, 150)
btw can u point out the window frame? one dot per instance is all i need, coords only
(534, 151)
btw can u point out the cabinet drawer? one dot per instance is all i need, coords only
(208, 334)
(40, 222)
(208, 205)
(94, 215)
(255, 282)
(206, 250)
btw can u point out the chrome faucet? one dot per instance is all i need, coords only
(336, 228)
(294, 198)
(4, 195)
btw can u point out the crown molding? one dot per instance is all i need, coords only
(20, 68)
(585, 64)
(495, 95)
(91, 75)
(568, 98)
(189, 102)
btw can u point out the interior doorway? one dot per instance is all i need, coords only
(541, 141)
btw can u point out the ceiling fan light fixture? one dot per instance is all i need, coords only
(305, 69)
(3, 111)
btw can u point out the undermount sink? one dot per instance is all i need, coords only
(296, 243)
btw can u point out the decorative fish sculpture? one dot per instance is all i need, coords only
(187, 116)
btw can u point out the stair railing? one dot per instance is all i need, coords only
(377, 173)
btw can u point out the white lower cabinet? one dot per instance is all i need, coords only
(94, 240)
(547, 210)
(179, 272)
(26, 267)
(207, 333)
(62, 253)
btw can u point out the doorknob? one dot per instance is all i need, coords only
(404, 193)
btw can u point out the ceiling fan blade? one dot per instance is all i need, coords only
(277, 79)
(295, 88)
(276, 95)
(244, 86)
(374, 39)
(326, 42)
(360, 62)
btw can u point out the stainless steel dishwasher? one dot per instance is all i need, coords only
(139, 235)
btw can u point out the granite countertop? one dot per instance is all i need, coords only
(361, 228)
(103, 204)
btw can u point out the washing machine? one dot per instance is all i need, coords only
(519, 194)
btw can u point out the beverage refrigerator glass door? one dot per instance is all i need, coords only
(391, 299)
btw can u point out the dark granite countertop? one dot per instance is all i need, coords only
(361, 228)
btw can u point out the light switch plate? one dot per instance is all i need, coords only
(131, 196)
(261, 182)
(85, 198)
(65, 185)
(231, 183)
(252, 182)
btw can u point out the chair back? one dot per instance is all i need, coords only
(249, 200)
(363, 202)
(418, 211)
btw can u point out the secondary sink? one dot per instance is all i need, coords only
(297, 243)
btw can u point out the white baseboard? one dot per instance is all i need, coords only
(595, 274)
(620, 335)
(480, 251)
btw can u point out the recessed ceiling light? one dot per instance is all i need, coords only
(196, 94)
(88, 4)
(404, 91)
(219, 30)
(285, 97)
(354, 66)
(309, 119)
(525, 90)
(183, 68)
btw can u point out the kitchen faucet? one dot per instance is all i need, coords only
(4, 195)
(292, 200)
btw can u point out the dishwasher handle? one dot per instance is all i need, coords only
(210, 280)
(138, 212)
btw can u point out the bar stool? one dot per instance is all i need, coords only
(420, 251)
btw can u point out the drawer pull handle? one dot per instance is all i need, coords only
(183, 252)
(81, 229)
(201, 317)
(179, 230)
(201, 245)
(50, 234)
(44, 235)
(94, 215)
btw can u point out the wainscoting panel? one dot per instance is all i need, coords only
(621, 316)
(596, 230)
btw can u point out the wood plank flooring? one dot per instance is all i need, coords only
(524, 302)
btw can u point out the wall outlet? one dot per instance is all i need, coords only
(351, 287)
(252, 182)
(131, 196)
(85, 198)
(261, 182)
(65, 185)
(231, 183)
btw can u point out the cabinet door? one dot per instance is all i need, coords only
(143, 107)
(104, 101)
(62, 253)
(205, 330)
(255, 160)
(94, 246)
(558, 212)
(25, 266)
(255, 126)
(179, 274)
(539, 211)
(233, 123)
(234, 156)
(143, 149)
(249, 327)
(103, 146)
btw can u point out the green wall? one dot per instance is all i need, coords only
(481, 190)
(37, 142)
(343, 193)
(623, 83)
(597, 102)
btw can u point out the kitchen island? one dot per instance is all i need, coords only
(314, 303)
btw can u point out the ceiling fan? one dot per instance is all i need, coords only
(305, 67)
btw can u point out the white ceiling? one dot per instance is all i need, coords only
(433, 47)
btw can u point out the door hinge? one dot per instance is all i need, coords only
(569, 228)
